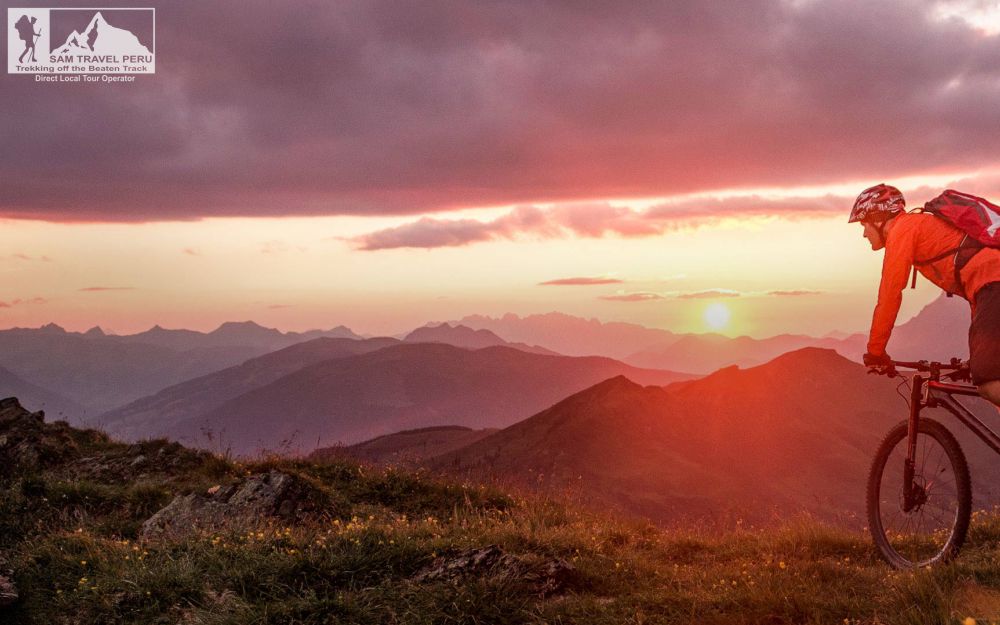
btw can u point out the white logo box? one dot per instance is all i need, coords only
(107, 40)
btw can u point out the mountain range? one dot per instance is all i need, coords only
(99, 372)
(938, 331)
(127, 382)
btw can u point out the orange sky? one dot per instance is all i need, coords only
(774, 274)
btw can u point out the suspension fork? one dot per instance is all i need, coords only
(909, 466)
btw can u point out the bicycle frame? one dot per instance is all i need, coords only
(928, 392)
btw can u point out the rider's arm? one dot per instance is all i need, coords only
(896, 267)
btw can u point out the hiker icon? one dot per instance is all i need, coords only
(26, 31)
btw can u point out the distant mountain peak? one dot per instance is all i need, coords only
(810, 352)
(52, 328)
(95, 331)
(612, 386)
(240, 325)
(244, 329)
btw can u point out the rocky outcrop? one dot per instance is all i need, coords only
(273, 494)
(547, 576)
(26, 443)
(138, 461)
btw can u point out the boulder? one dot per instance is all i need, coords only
(273, 494)
(546, 576)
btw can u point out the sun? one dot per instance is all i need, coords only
(717, 316)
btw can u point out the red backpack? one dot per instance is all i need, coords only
(978, 218)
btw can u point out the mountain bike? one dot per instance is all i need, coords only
(919, 493)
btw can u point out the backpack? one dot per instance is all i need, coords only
(24, 29)
(978, 218)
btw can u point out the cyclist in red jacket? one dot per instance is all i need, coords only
(923, 240)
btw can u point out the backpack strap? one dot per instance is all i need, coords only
(968, 248)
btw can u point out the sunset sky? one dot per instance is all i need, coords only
(381, 165)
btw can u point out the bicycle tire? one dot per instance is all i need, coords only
(877, 505)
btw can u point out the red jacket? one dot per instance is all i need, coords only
(915, 237)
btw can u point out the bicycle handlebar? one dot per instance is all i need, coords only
(959, 368)
(923, 365)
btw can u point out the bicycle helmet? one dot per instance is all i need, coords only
(877, 204)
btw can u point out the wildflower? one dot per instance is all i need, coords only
(969, 621)
(83, 563)
(782, 565)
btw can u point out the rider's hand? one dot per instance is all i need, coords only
(877, 360)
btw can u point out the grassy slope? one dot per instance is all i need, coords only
(72, 541)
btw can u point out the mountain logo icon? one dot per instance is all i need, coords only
(100, 37)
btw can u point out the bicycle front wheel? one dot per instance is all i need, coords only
(932, 528)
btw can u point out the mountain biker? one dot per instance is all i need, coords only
(924, 241)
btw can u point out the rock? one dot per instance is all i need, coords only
(8, 591)
(273, 494)
(138, 460)
(547, 576)
(27, 443)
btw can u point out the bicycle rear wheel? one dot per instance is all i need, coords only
(934, 527)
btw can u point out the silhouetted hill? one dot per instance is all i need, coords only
(397, 388)
(408, 447)
(466, 337)
(161, 412)
(797, 433)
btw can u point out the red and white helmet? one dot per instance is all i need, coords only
(877, 204)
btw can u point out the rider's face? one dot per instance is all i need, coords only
(871, 233)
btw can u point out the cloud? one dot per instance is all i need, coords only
(279, 247)
(580, 281)
(191, 251)
(430, 233)
(596, 220)
(29, 258)
(371, 107)
(708, 294)
(20, 302)
(642, 296)
(795, 293)
(277, 306)
(96, 289)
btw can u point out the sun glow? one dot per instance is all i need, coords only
(717, 316)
